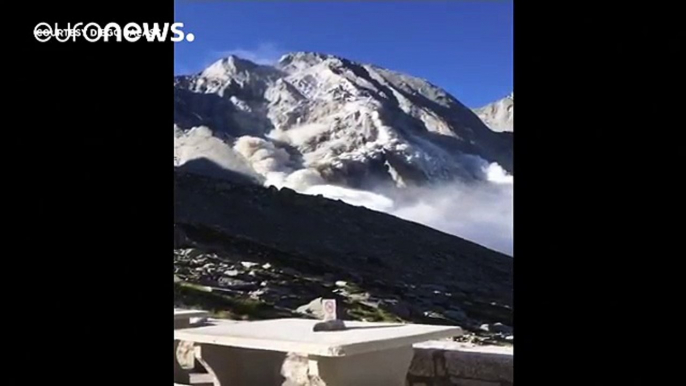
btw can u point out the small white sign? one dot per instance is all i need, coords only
(329, 309)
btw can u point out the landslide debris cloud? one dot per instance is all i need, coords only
(321, 124)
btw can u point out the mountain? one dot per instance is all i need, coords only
(321, 119)
(249, 137)
(499, 115)
(265, 252)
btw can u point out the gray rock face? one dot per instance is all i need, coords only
(326, 118)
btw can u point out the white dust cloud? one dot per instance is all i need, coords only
(355, 197)
(199, 142)
(481, 212)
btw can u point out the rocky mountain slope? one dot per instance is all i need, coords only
(499, 115)
(257, 252)
(315, 118)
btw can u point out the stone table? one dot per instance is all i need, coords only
(287, 352)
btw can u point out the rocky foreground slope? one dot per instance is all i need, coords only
(244, 250)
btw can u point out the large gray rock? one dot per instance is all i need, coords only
(314, 308)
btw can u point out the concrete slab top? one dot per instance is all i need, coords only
(296, 335)
(187, 314)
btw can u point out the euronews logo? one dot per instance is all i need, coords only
(93, 32)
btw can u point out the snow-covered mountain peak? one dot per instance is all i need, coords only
(229, 65)
(499, 115)
(300, 60)
(231, 73)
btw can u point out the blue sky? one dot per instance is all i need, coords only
(466, 47)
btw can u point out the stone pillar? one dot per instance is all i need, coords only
(381, 368)
(232, 366)
(180, 374)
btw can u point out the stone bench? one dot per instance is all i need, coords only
(287, 352)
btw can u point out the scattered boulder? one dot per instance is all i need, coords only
(315, 308)
(231, 273)
(433, 315)
(497, 328)
(237, 284)
(397, 307)
(500, 328)
(435, 288)
(455, 314)
(258, 294)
